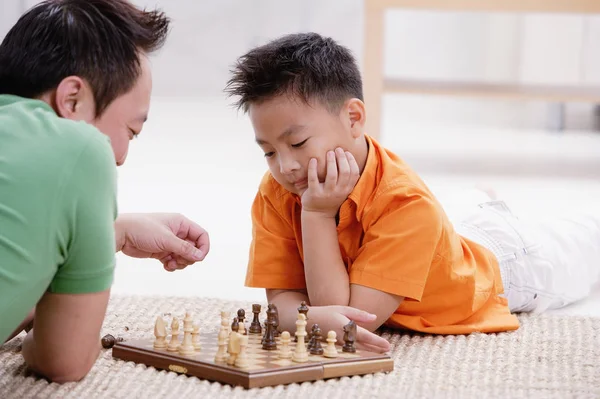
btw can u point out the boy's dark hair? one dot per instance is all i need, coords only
(304, 65)
(98, 40)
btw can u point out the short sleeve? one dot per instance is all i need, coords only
(274, 259)
(89, 211)
(399, 245)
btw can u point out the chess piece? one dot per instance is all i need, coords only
(225, 316)
(187, 346)
(196, 338)
(242, 326)
(160, 332)
(304, 310)
(349, 337)
(285, 352)
(108, 341)
(233, 347)
(255, 327)
(242, 359)
(174, 342)
(268, 341)
(314, 346)
(330, 349)
(235, 325)
(222, 338)
(300, 354)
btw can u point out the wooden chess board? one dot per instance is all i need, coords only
(265, 368)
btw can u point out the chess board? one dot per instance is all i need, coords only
(265, 367)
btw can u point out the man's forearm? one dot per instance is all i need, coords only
(324, 269)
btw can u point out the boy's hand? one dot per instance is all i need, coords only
(342, 175)
(336, 317)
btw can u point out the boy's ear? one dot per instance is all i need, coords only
(357, 116)
(73, 99)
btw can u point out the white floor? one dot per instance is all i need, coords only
(199, 158)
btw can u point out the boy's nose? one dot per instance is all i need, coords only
(287, 166)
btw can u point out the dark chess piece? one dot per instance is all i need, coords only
(108, 341)
(304, 310)
(255, 327)
(268, 341)
(235, 324)
(241, 315)
(349, 337)
(316, 337)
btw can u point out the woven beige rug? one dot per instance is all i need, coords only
(548, 357)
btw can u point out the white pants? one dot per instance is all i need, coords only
(544, 264)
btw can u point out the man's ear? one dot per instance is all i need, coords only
(73, 99)
(357, 116)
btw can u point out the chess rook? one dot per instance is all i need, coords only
(255, 327)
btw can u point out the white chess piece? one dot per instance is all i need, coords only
(196, 338)
(330, 349)
(242, 359)
(300, 354)
(285, 352)
(187, 346)
(160, 332)
(174, 343)
(223, 337)
(241, 328)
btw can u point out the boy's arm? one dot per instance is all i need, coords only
(376, 302)
(65, 342)
(325, 272)
(324, 269)
(329, 318)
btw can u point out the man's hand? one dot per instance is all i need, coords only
(171, 238)
(336, 317)
(342, 175)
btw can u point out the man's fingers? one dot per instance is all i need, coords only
(332, 173)
(182, 248)
(196, 235)
(367, 338)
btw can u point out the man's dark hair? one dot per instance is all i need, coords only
(98, 40)
(304, 65)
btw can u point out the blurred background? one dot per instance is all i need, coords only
(504, 99)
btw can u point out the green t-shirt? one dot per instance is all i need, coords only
(57, 208)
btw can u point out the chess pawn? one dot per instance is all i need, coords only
(330, 349)
(285, 352)
(160, 332)
(315, 341)
(242, 359)
(174, 343)
(304, 310)
(235, 325)
(300, 354)
(255, 327)
(196, 337)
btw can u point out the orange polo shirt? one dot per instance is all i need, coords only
(394, 237)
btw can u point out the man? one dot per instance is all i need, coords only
(75, 87)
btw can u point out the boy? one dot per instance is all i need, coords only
(340, 221)
(71, 70)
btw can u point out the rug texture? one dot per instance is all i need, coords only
(548, 357)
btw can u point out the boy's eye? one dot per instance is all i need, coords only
(300, 144)
(269, 154)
